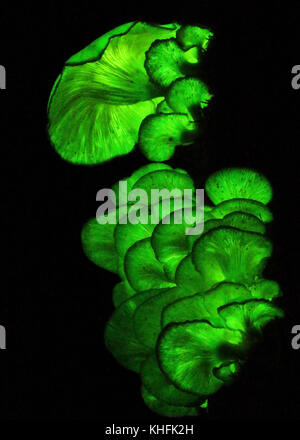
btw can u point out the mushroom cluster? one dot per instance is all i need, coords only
(189, 308)
(136, 84)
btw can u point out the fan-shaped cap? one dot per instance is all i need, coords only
(188, 96)
(252, 314)
(103, 94)
(166, 61)
(189, 352)
(161, 133)
(228, 254)
(238, 183)
(190, 36)
(162, 388)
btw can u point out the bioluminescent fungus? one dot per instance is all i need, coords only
(98, 103)
(189, 308)
(238, 183)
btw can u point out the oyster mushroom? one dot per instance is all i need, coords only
(106, 90)
(189, 309)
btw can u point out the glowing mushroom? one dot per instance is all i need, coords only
(106, 90)
(189, 309)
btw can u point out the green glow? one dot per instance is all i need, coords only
(166, 62)
(120, 337)
(252, 207)
(189, 96)
(252, 314)
(98, 105)
(238, 183)
(160, 134)
(228, 254)
(94, 50)
(189, 36)
(205, 404)
(236, 219)
(196, 346)
(98, 244)
(127, 235)
(265, 289)
(187, 277)
(122, 292)
(244, 222)
(106, 90)
(188, 308)
(136, 176)
(204, 307)
(166, 179)
(163, 107)
(226, 373)
(158, 384)
(143, 271)
(221, 296)
(170, 244)
(147, 317)
(164, 409)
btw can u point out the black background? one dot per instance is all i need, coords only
(58, 301)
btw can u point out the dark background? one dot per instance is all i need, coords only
(58, 301)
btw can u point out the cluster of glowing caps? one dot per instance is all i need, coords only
(136, 84)
(188, 308)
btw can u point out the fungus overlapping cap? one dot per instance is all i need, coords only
(189, 308)
(138, 73)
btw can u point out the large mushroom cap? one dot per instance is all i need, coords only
(106, 90)
(103, 94)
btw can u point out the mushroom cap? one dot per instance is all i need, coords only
(188, 308)
(161, 133)
(238, 183)
(103, 94)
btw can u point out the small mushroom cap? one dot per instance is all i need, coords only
(166, 61)
(265, 289)
(160, 386)
(160, 134)
(238, 183)
(188, 353)
(189, 36)
(251, 315)
(189, 96)
(229, 254)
